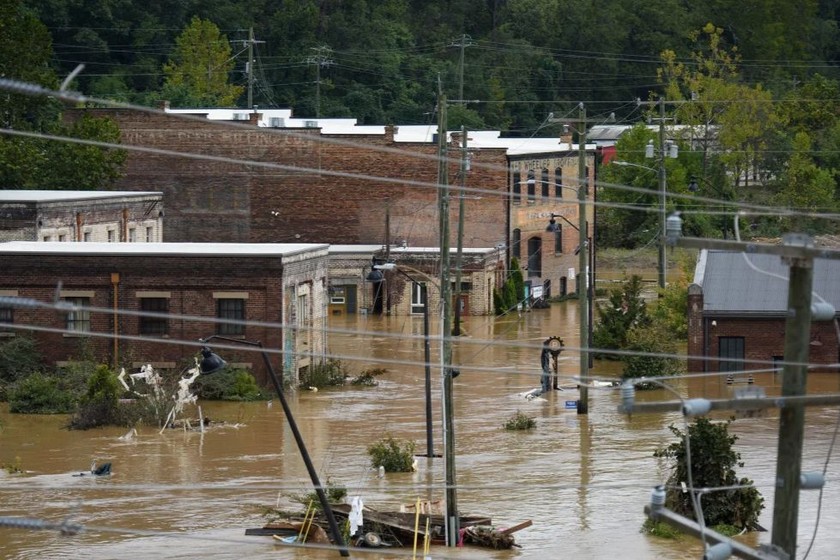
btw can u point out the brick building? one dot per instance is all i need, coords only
(334, 186)
(207, 288)
(483, 270)
(736, 316)
(107, 216)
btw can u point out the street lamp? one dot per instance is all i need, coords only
(376, 275)
(211, 363)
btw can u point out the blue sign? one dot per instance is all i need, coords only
(571, 404)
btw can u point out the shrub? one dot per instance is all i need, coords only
(19, 356)
(335, 495)
(329, 373)
(520, 421)
(392, 454)
(368, 377)
(713, 465)
(625, 309)
(230, 384)
(647, 340)
(100, 406)
(40, 394)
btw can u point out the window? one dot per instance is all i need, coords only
(230, 310)
(545, 184)
(730, 353)
(150, 234)
(48, 238)
(7, 316)
(532, 187)
(62, 238)
(517, 188)
(111, 236)
(154, 325)
(302, 310)
(132, 235)
(558, 182)
(418, 302)
(86, 236)
(534, 257)
(516, 242)
(558, 240)
(78, 320)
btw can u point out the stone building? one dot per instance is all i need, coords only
(275, 294)
(106, 216)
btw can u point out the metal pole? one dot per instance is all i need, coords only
(250, 68)
(662, 231)
(583, 264)
(792, 418)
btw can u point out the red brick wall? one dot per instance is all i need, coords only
(221, 201)
(191, 282)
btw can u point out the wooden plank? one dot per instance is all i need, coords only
(523, 525)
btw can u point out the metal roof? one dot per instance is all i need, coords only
(13, 195)
(159, 249)
(757, 284)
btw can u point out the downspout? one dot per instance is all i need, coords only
(115, 282)
(124, 228)
(78, 226)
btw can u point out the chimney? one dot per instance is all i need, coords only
(390, 132)
(163, 104)
(254, 118)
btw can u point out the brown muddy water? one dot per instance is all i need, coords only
(583, 480)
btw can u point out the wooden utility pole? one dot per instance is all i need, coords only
(452, 528)
(583, 264)
(249, 66)
(459, 257)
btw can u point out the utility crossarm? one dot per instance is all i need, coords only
(792, 251)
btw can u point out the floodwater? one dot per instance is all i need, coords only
(582, 480)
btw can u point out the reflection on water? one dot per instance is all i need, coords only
(583, 480)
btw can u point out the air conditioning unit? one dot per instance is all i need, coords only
(277, 122)
(310, 124)
(240, 116)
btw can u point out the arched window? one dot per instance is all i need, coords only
(558, 240)
(534, 257)
(558, 182)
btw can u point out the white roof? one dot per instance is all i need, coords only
(159, 249)
(398, 250)
(65, 196)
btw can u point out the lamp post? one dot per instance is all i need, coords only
(212, 363)
(377, 276)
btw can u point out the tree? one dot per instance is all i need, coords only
(713, 463)
(805, 187)
(198, 71)
(652, 346)
(626, 309)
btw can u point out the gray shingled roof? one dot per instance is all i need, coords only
(732, 287)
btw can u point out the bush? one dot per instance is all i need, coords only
(335, 495)
(100, 406)
(19, 356)
(394, 455)
(520, 421)
(40, 394)
(653, 338)
(713, 465)
(229, 384)
(626, 309)
(330, 373)
(368, 377)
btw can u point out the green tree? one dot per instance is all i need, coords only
(626, 309)
(713, 463)
(805, 187)
(198, 71)
(650, 345)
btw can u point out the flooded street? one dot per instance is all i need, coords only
(583, 480)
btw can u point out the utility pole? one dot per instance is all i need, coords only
(250, 66)
(459, 257)
(792, 418)
(583, 263)
(663, 263)
(464, 42)
(452, 521)
(319, 59)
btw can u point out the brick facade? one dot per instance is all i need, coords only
(191, 281)
(317, 195)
